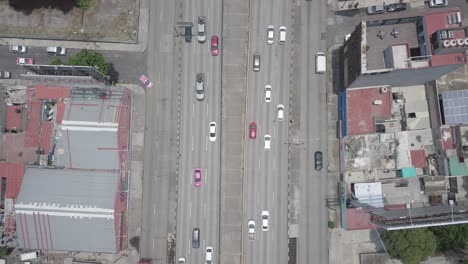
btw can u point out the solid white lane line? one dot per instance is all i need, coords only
(193, 110)
(259, 164)
(193, 142)
(153, 242)
(206, 175)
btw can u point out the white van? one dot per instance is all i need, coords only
(320, 62)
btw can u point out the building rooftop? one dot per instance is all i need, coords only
(455, 105)
(55, 205)
(365, 106)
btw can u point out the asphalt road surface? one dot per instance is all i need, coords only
(198, 207)
(313, 233)
(266, 182)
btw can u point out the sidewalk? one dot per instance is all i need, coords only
(143, 29)
(336, 5)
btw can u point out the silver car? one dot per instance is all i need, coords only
(200, 87)
(377, 9)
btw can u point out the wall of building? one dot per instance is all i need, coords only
(405, 77)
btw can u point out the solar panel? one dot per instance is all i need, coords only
(455, 107)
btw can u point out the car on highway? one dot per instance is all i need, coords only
(318, 156)
(213, 131)
(265, 220)
(182, 260)
(282, 35)
(197, 177)
(267, 139)
(20, 61)
(196, 237)
(438, 3)
(267, 93)
(251, 227)
(214, 45)
(253, 130)
(270, 34)
(145, 81)
(256, 62)
(201, 36)
(200, 87)
(280, 112)
(18, 49)
(374, 10)
(5, 75)
(209, 255)
(59, 51)
(396, 7)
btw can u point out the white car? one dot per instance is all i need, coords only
(265, 220)
(213, 131)
(267, 142)
(267, 93)
(181, 260)
(59, 51)
(438, 3)
(201, 30)
(270, 34)
(282, 35)
(18, 49)
(209, 255)
(280, 114)
(251, 226)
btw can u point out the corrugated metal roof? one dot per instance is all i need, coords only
(457, 168)
(67, 210)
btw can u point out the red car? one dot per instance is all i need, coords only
(253, 130)
(197, 177)
(145, 81)
(214, 45)
(20, 61)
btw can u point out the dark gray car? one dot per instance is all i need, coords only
(396, 7)
(196, 238)
(318, 160)
(200, 87)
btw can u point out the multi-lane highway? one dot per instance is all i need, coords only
(266, 174)
(198, 207)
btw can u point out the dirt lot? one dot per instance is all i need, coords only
(106, 20)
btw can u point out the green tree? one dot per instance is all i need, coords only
(451, 236)
(411, 246)
(83, 4)
(4, 251)
(90, 58)
(57, 61)
(331, 224)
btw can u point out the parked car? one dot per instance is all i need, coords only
(438, 3)
(197, 177)
(212, 131)
(201, 36)
(253, 130)
(265, 220)
(18, 49)
(396, 7)
(5, 75)
(200, 87)
(377, 9)
(59, 51)
(318, 160)
(267, 93)
(145, 81)
(214, 45)
(20, 61)
(270, 34)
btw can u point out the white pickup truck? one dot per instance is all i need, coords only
(251, 226)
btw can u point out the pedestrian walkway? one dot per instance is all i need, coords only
(140, 46)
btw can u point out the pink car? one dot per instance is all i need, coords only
(20, 61)
(145, 81)
(214, 45)
(197, 177)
